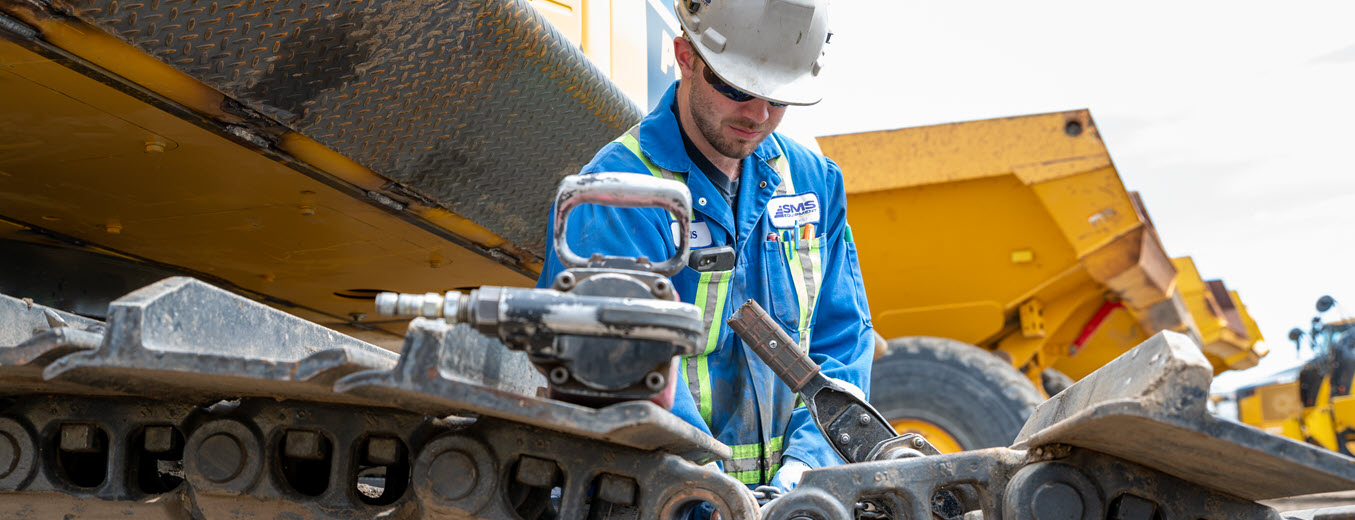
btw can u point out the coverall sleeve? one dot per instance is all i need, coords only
(611, 231)
(842, 341)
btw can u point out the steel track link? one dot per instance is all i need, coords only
(195, 403)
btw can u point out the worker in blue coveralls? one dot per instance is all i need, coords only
(780, 206)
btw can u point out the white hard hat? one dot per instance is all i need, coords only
(772, 49)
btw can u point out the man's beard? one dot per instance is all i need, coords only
(711, 128)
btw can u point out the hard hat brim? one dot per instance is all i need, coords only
(764, 80)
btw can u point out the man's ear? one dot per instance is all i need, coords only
(686, 56)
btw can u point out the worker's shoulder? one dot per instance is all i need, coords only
(806, 160)
(615, 157)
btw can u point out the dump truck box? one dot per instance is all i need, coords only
(1228, 335)
(1014, 234)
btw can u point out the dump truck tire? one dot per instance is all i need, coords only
(960, 389)
(1055, 381)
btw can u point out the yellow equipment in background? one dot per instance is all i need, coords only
(1318, 407)
(1003, 258)
(1228, 335)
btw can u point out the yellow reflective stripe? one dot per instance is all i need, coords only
(713, 324)
(766, 458)
(711, 304)
(631, 140)
(751, 478)
(781, 165)
(633, 144)
(746, 451)
(703, 375)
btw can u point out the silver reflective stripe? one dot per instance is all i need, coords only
(694, 381)
(742, 465)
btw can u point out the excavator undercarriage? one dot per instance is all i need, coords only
(191, 402)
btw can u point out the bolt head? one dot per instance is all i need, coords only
(564, 281)
(772, 344)
(919, 442)
(383, 451)
(655, 381)
(304, 444)
(559, 375)
(863, 420)
(844, 438)
(537, 472)
(617, 489)
(79, 438)
(159, 439)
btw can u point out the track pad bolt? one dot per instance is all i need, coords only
(303, 444)
(159, 439)
(536, 472)
(382, 451)
(79, 438)
(617, 489)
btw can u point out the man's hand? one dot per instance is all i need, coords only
(792, 469)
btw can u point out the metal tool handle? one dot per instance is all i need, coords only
(624, 190)
(773, 345)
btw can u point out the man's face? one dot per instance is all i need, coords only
(733, 128)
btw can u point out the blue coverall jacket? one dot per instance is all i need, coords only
(731, 393)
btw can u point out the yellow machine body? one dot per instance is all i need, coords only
(1013, 234)
(1228, 335)
(1319, 407)
(130, 161)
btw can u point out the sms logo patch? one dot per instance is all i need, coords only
(792, 210)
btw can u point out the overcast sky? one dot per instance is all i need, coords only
(1233, 119)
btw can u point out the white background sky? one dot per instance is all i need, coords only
(1233, 119)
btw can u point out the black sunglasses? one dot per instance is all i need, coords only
(736, 95)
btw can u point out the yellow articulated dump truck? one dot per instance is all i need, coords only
(1004, 259)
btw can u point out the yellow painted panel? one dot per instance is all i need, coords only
(1279, 402)
(1066, 312)
(203, 203)
(1092, 209)
(1119, 333)
(949, 246)
(968, 322)
(878, 161)
(1343, 409)
(954, 222)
